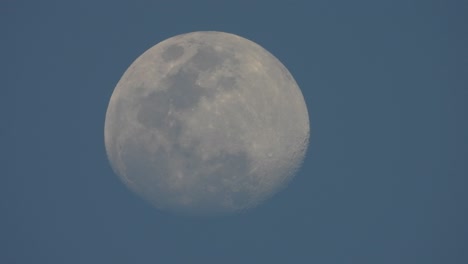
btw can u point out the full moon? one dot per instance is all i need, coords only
(206, 123)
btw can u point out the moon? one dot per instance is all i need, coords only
(206, 123)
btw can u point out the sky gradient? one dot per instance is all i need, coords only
(384, 179)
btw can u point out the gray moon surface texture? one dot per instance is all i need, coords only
(206, 123)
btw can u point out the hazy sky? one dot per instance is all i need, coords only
(384, 180)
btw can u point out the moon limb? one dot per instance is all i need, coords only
(206, 122)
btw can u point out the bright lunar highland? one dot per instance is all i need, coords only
(206, 123)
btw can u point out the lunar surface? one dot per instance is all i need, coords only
(206, 123)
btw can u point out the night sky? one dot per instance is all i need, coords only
(384, 179)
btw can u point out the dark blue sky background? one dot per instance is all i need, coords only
(384, 180)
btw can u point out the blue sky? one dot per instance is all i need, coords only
(384, 179)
